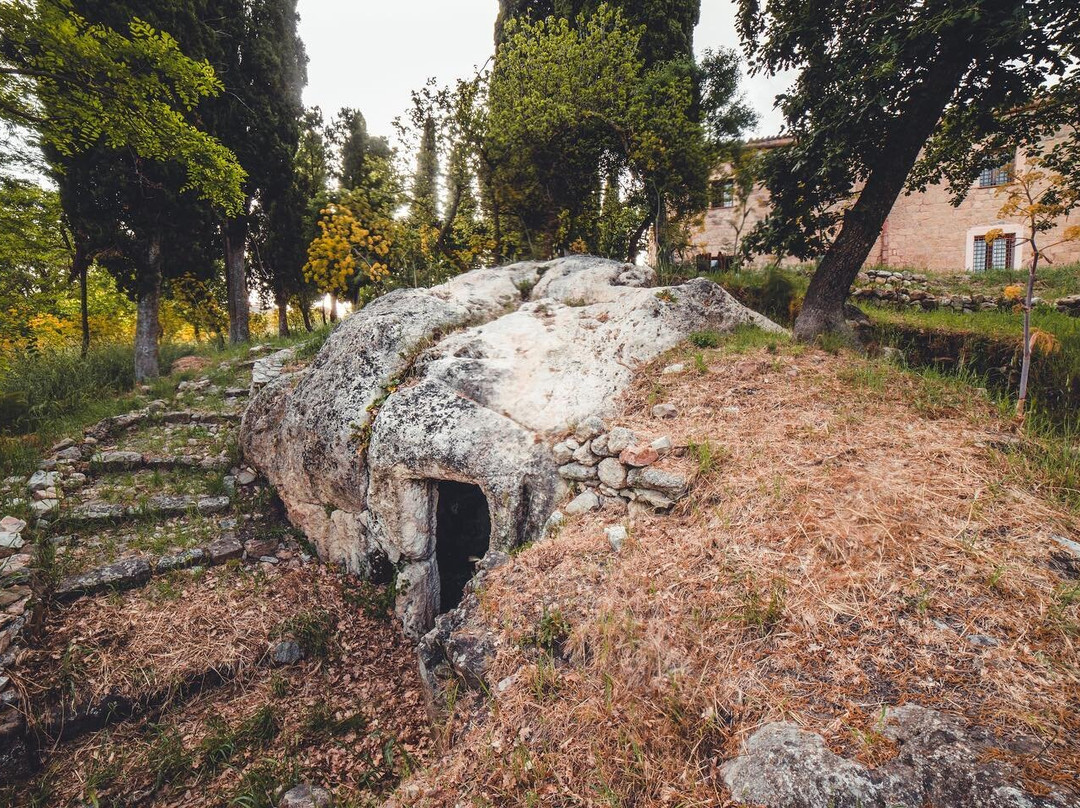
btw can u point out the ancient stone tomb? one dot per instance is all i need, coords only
(423, 434)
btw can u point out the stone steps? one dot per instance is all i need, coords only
(158, 506)
(131, 573)
(119, 461)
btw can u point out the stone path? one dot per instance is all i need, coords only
(117, 521)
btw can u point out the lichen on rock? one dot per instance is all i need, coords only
(472, 381)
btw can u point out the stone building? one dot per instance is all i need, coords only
(924, 231)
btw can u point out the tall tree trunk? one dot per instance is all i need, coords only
(823, 308)
(282, 316)
(84, 310)
(634, 247)
(234, 232)
(333, 308)
(305, 311)
(147, 323)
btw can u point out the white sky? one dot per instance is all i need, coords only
(370, 54)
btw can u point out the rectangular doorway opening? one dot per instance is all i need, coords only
(462, 537)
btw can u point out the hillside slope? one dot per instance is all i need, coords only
(858, 538)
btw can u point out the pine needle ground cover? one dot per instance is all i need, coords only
(858, 537)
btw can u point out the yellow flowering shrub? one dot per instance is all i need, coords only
(1014, 292)
(346, 245)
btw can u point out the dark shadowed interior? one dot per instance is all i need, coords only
(462, 535)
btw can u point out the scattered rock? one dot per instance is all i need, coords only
(589, 428)
(179, 561)
(40, 480)
(245, 477)
(665, 411)
(653, 499)
(662, 446)
(671, 370)
(11, 541)
(619, 439)
(13, 565)
(124, 574)
(43, 507)
(71, 453)
(667, 483)
(576, 472)
(117, 461)
(612, 473)
(939, 763)
(9, 524)
(286, 652)
(582, 503)
(616, 536)
(98, 512)
(553, 524)
(639, 456)
(982, 641)
(270, 367)
(223, 549)
(562, 453)
(258, 548)
(584, 455)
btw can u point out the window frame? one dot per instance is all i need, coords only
(996, 176)
(988, 261)
(722, 194)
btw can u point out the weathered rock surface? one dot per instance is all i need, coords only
(940, 762)
(124, 574)
(305, 796)
(470, 382)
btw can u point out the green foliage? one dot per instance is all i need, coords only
(426, 179)
(988, 345)
(706, 339)
(863, 74)
(79, 83)
(576, 98)
(222, 743)
(762, 611)
(551, 632)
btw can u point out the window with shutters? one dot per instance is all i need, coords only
(998, 254)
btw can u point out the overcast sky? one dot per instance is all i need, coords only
(369, 54)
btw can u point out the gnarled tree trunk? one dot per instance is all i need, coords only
(147, 322)
(234, 233)
(823, 308)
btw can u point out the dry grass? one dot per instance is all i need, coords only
(848, 533)
(353, 720)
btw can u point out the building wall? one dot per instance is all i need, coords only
(924, 231)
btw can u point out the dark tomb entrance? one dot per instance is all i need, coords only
(462, 536)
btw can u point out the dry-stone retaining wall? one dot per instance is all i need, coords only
(470, 382)
(910, 290)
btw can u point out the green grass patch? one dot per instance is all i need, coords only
(987, 346)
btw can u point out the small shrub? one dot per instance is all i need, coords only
(706, 339)
(707, 455)
(551, 632)
(314, 343)
(313, 632)
(759, 613)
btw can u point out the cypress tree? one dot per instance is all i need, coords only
(425, 181)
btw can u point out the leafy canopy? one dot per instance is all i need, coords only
(863, 67)
(77, 83)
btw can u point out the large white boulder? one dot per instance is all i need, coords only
(469, 382)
